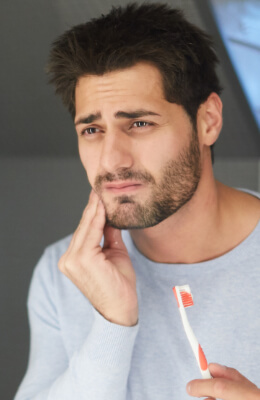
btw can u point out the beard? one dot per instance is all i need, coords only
(178, 183)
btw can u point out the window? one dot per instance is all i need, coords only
(239, 25)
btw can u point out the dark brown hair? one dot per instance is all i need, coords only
(152, 32)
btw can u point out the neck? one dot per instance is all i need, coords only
(193, 234)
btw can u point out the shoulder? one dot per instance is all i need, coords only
(245, 207)
(58, 248)
(244, 202)
(240, 210)
(250, 194)
(53, 252)
(249, 203)
(46, 271)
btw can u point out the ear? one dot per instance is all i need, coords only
(209, 120)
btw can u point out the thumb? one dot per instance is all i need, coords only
(221, 371)
(113, 238)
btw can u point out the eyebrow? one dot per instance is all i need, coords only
(134, 114)
(89, 119)
(119, 114)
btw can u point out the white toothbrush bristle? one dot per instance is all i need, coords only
(186, 296)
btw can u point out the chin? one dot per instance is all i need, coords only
(132, 219)
(124, 217)
(126, 225)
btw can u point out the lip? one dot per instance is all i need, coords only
(126, 186)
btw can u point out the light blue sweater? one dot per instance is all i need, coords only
(76, 354)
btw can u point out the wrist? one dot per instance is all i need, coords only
(127, 319)
(113, 342)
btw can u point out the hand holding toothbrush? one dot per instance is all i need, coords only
(227, 384)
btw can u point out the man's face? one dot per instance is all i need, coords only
(140, 152)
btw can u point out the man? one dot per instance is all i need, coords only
(141, 86)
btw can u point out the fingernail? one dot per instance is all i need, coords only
(188, 387)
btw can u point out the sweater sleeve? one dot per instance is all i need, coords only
(98, 370)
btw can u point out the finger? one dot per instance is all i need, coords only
(96, 228)
(89, 210)
(79, 238)
(90, 200)
(220, 371)
(85, 222)
(221, 388)
(113, 238)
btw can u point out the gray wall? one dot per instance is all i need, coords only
(43, 186)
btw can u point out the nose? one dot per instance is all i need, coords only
(116, 151)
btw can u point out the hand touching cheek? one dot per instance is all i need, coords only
(104, 275)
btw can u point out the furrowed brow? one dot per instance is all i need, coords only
(134, 114)
(89, 119)
(119, 114)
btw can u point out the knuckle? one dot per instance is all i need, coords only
(220, 387)
(61, 263)
(67, 262)
(71, 262)
(85, 212)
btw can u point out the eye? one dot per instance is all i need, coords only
(141, 124)
(90, 131)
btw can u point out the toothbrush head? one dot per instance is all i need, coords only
(183, 295)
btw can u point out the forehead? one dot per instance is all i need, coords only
(140, 83)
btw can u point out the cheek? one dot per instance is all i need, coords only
(158, 153)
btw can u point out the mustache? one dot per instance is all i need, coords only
(124, 174)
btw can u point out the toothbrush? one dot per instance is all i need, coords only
(184, 299)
